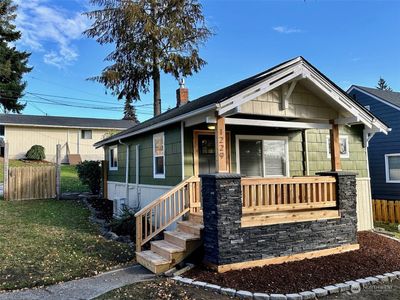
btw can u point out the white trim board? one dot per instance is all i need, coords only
(387, 167)
(142, 185)
(297, 71)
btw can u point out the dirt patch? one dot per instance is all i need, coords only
(377, 255)
(161, 290)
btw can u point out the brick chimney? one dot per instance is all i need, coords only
(182, 94)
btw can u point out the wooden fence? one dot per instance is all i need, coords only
(386, 211)
(26, 183)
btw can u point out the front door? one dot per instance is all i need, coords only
(204, 152)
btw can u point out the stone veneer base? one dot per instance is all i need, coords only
(283, 259)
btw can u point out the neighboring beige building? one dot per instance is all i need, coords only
(75, 135)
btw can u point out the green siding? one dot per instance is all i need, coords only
(173, 170)
(317, 153)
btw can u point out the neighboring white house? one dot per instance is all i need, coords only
(76, 135)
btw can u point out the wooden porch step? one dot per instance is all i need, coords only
(190, 227)
(153, 261)
(180, 238)
(168, 250)
(196, 218)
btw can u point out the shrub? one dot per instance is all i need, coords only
(36, 153)
(125, 224)
(89, 173)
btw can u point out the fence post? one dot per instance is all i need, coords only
(5, 184)
(58, 171)
(104, 168)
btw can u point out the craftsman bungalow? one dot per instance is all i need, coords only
(266, 170)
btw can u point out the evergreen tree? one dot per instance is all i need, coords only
(382, 85)
(13, 63)
(130, 112)
(150, 36)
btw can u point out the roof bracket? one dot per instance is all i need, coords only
(286, 94)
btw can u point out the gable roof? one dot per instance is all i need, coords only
(222, 96)
(67, 122)
(388, 97)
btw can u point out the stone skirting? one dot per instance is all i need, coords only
(227, 242)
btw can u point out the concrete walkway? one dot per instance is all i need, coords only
(86, 288)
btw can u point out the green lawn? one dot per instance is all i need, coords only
(389, 227)
(43, 242)
(69, 177)
(70, 181)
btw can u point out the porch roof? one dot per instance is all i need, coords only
(214, 100)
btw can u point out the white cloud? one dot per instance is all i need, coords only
(51, 30)
(286, 30)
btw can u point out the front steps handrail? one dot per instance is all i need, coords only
(165, 210)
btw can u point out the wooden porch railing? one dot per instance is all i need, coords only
(287, 194)
(165, 210)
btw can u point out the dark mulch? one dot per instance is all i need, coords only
(377, 255)
(104, 208)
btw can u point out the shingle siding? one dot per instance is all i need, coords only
(380, 145)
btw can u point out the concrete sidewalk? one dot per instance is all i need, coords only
(86, 288)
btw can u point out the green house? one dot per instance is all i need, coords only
(278, 129)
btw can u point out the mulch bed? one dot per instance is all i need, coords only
(104, 208)
(377, 255)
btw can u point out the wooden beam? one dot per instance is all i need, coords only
(220, 145)
(286, 94)
(335, 147)
(283, 259)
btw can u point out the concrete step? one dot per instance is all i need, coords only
(168, 250)
(190, 227)
(153, 261)
(180, 238)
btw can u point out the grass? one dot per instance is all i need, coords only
(43, 242)
(391, 227)
(70, 181)
(69, 177)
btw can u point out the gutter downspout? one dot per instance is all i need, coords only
(126, 171)
(137, 176)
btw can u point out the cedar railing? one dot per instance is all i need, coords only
(165, 210)
(287, 194)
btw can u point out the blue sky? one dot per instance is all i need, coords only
(350, 42)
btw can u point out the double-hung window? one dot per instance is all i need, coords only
(392, 167)
(86, 134)
(158, 155)
(262, 156)
(113, 158)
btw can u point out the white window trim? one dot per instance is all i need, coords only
(263, 137)
(109, 158)
(328, 146)
(158, 176)
(387, 168)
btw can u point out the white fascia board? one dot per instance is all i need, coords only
(373, 96)
(260, 88)
(158, 125)
(345, 101)
(59, 126)
(279, 124)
